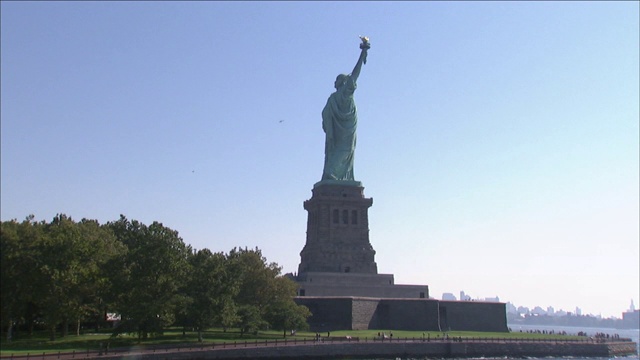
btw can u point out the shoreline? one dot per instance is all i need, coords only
(355, 349)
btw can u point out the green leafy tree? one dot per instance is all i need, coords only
(98, 247)
(255, 277)
(148, 277)
(287, 315)
(31, 233)
(9, 263)
(265, 297)
(211, 289)
(58, 267)
(250, 319)
(19, 277)
(283, 313)
(72, 256)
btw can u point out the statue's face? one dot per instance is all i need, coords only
(340, 80)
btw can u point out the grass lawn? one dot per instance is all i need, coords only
(39, 342)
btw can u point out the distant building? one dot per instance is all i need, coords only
(631, 319)
(550, 310)
(464, 297)
(523, 310)
(632, 307)
(492, 299)
(511, 309)
(449, 297)
(578, 311)
(538, 311)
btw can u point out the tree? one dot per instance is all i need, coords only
(30, 234)
(211, 289)
(265, 297)
(66, 271)
(250, 319)
(255, 278)
(98, 247)
(148, 277)
(18, 274)
(283, 313)
(71, 259)
(287, 315)
(9, 261)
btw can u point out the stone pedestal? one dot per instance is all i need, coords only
(338, 259)
(354, 284)
(338, 277)
(338, 231)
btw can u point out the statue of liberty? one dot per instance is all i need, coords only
(339, 122)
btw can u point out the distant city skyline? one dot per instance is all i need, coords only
(535, 309)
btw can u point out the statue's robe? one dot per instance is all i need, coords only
(339, 122)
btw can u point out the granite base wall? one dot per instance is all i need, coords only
(356, 313)
(473, 316)
(363, 314)
(328, 314)
(407, 314)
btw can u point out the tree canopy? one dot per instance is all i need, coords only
(65, 272)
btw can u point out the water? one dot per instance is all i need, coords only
(633, 334)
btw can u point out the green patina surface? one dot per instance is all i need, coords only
(340, 122)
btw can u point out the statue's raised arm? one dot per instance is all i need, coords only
(364, 46)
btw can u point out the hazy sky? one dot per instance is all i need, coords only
(499, 140)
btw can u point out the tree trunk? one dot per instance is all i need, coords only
(78, 328)
(65, 327)
(199, 335)
(52, 332)
(10, 330)
(30, 320)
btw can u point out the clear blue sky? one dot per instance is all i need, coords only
(499, 140)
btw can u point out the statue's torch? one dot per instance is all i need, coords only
(365, 45)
